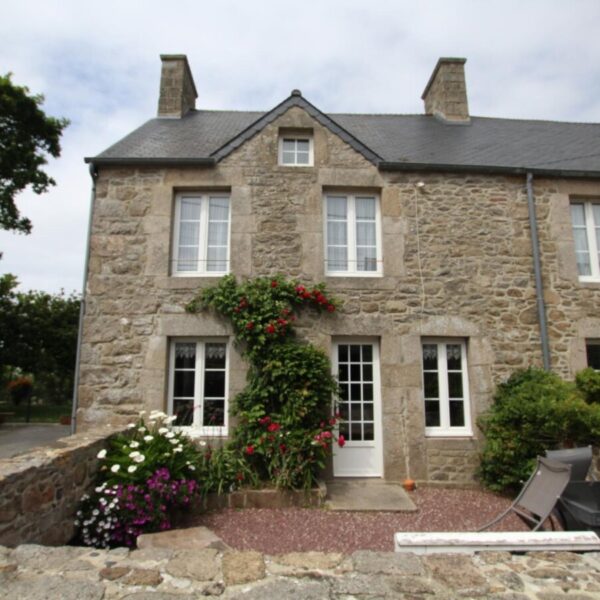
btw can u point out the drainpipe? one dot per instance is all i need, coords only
(537, 267)
(94, 176)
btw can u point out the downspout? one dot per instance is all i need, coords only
(537, 267)
(94, 175)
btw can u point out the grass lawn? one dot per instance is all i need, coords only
(39, 414)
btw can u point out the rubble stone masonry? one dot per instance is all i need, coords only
(457, 262)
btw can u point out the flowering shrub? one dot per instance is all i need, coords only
(285, 430)
(144, 476)
(19, 389)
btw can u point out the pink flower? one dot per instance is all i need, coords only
(270, 328)
(274, 427)
(250, 449)
(341, 441)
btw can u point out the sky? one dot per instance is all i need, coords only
(97, 63)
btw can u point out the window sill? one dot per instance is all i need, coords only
(446, 433)
(199, 275)
(203, 432)
(364, 274)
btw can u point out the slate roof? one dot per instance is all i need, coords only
(389, 141)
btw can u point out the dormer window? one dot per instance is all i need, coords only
(296, 151)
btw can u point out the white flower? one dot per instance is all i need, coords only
(134, 444)
(142, 413)
(95, 512)
(148, 438)
(102, 453)
(170, 419)
(98, 489)
(178, 449)
(132, 469)
(140, 458)
(86, 497)
(174, 442)
(115, 468)
(158, 414)
(163, 430)
(130, 425)
(141, 429)
(170, 435)
(202, 443)
(191, 467)
(134, 454)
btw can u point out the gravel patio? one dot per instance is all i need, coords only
(276, 531)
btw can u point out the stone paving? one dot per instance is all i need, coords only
(73, 573)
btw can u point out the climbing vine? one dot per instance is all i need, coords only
(284, 427)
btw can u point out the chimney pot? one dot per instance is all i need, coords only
(177, 89)
(445, 94)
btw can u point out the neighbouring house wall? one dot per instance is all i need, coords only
(40, 490)
(457, 263)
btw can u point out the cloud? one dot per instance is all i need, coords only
(98, 65)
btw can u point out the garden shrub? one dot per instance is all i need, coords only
(533, 411)
(284, 428)
(588, 383)
(144, 476)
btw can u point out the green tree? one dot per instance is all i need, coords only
(38, 335)
(27, 136)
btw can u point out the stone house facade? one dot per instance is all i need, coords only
(426, 227)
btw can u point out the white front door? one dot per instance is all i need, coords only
(356, 365)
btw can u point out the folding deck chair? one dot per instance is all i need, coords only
(539, 495)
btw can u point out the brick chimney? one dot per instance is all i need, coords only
(445, 95)
(177, 90)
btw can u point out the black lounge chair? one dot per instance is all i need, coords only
(539, 495)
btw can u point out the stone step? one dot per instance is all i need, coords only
(452, 542)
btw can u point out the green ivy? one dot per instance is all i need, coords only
(285, 429)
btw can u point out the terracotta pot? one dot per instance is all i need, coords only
(409, 485)
(65, 419)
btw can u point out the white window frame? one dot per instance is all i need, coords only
(590, 342)
(351, 255)
(201, 271)
(445, 430)
(197, 429)
(593, 249)
(296, 138)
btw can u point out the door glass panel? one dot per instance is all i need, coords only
(367, 354)
(455, 387)
(368, 411)
(432, 413)
(430, 357)
(356, 431)
(453, 356)
(355, 372)
(368, 391)
(185, 356)
(184, 409)
(215, 356)
(343, 353)
(355, 412)
(355, 392)
(344, 392)
(214, 413)
(184, 384)
(368, 432)
(343, 373)
(214, 384)
(354, 353)
(432, 389)
(457, 413)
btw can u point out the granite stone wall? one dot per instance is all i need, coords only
(40, 490)
(457, 262)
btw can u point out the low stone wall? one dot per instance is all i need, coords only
(40, 490)
(70, 572)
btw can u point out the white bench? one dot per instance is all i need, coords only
(452, 542)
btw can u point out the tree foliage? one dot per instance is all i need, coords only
(38, 336)
(27, 136)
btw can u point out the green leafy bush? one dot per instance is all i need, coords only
(588, 383)
(284, 426)
(533, 411)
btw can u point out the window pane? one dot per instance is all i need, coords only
(457, 413)
(289, 145)
(596, 213)
(190, 209)
(214, 384)
(218, 209)
(337, 259)
(431, 385)
(302, 158)
(368, 391)
(367, 353)
(430, 357)
(583, 264)
(365, 234)
(455, 388)
(581, 241)
(593, 356)
(578, 215)
(189, 232)
(355, 372)
(354, 353)
(214, 413)
(216, 259)
(368, 411)
(343, 373)
(215, 355)
(187, 258)
(337, 234)
(302, 146)
(344, 392)
(343, 353)
(184, 409)
(366, 259)
(344, 430)
(453, 356)
(355, 394)
(217, 234)
(185, 356)
(432, 413)
(367, 372)
(184, 384)
(368, 432)
(289, 158)
(355, 412)
(356, 431)
(336, 208)
(366, 208)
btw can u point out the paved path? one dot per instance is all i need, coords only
(72, 573)
(19, 438)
